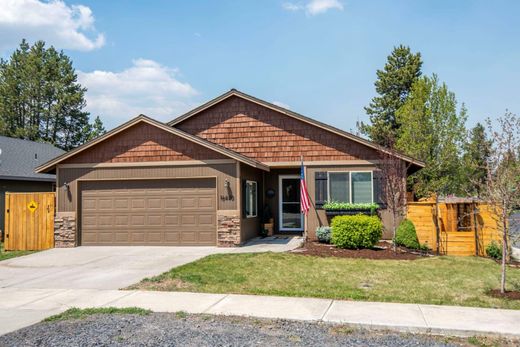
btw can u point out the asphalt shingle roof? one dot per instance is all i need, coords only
(18, 158)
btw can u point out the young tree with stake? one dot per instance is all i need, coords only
(501, 188)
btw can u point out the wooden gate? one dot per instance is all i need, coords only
(29, 221)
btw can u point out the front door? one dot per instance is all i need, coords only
(290, 217)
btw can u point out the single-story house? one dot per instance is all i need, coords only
(209, 177)
(18, 159)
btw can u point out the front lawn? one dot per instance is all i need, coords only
(433, 280)
(4, 255)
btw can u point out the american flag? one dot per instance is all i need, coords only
(305, 203)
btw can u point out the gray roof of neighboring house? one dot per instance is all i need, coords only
(18, 158)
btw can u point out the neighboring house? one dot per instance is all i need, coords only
(18, 159)
(208, 177)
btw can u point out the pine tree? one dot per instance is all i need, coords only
(477, 151)
(393, 85)
(41, 99)
(96, 129)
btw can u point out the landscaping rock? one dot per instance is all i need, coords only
(161, 329)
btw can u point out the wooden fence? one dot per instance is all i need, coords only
(29, 221)
(461, 229)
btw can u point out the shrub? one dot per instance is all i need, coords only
(359, 231)
(335, 205)
(406, 235)
(323, 234)
(494, 250)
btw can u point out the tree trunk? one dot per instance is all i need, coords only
(394, 229)
(504, 252)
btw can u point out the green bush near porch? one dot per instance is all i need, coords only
(406, 235)
(359, 231)
(323, 234)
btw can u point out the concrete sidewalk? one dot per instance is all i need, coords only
(33, 305)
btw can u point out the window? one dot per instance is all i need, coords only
(339, 186)
(361, 187)
(354, 187)
(251, 199)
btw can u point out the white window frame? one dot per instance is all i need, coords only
(251, 199)
(350, 183)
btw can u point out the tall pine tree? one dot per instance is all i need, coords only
(41, 99)
(393, 85)
(477, 151)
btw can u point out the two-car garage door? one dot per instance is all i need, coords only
(148, 212)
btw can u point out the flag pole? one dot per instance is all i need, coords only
(305, 214)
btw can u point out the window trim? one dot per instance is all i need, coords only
(251, 200)
(350, 183)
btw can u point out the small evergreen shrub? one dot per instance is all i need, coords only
(406, 235)
(358, 231)
(323, 234)
(335, 205)
(494, 250)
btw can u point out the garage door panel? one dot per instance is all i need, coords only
(171, 203)
(137, 220)
(121, 204)
(207, 219)
(154, 220)
(172, 220)
(169, 212)
(187, 203)
(172, 237)
(138, 203)
(154, 203)
(121, 237)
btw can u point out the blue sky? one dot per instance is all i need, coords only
(162, 58)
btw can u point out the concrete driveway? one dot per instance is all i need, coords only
(94, 267)
(113, 267)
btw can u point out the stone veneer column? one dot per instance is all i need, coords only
(65, 229)
(228, 228)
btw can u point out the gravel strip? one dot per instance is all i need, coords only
(165, 329)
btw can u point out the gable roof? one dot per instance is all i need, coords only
(237, 93)
(142, 118)
(19, 157)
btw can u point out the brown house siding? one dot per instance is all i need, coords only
(270, 136)
(67, 198)
(251, 226)
(144, 142)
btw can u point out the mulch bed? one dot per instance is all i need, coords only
(509, 294)
(383, 250)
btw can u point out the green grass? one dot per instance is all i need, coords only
(78, 313)
(434, 280)
(4, 255)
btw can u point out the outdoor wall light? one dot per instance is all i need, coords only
(226, 183)
(66, 186)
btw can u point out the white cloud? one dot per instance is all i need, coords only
(61, 25)
(281, 104)
(314, 7)
(289, 6)
(146, 87)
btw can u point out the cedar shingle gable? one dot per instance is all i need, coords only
(266, 135)
(143, 142)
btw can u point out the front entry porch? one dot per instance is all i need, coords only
(282, 201)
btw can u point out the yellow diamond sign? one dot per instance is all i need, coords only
(32, 206)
